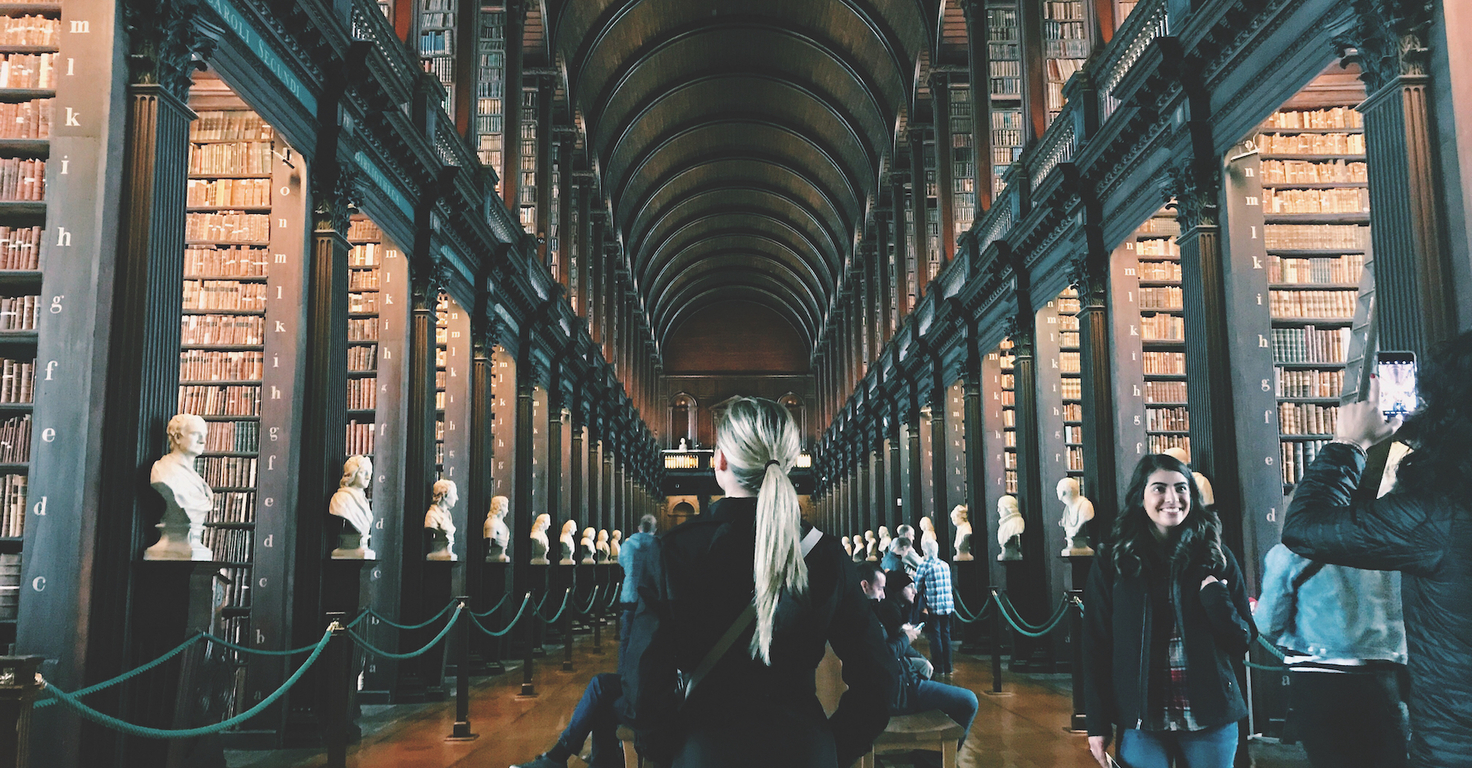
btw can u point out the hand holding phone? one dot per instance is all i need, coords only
(1396, 374)
(1363, 423)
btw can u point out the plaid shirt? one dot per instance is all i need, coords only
(934, 576)
(1175, 715)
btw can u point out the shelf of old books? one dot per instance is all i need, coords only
(437, 44)
(1004, 73)
(1008, 394)
(1065, 47)
(1316, 210)
(490, 87)
(963, 159)
(1059, 341)
(29, 34)
(1162, 333)
(365, 275)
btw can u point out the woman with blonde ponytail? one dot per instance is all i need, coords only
(729, 629)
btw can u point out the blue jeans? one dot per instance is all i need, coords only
(1211, 748)
(959, 704)
(938, 631)
(595, 715)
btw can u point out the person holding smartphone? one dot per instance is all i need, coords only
(1422, 528)
(1166, 617)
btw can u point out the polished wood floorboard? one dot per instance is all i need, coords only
(1023, 730)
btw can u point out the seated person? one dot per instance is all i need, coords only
(594, 714)
(896, 559)
(916, 694)
(871, 580)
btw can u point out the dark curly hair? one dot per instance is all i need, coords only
(1199, 541)
(1441, 429)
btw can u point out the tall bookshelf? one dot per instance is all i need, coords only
(963, 159)
(1070, 384)
(527, 187)
(29, 38)
(1065, 47)
(932, 216)
(223, 336)
(437, 44)
(1006, 358)
(441, 377)
(1162, 334)
(490, 87)
(365, 277)
(1004, 72)
(1316, 211)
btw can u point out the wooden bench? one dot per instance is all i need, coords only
(631, 757)
(930, 731)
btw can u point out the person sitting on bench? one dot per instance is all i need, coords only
(594, 715)
(871, 580)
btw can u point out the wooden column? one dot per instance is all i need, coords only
(585, 246)
(914, 496)
(554, 447)
(895, 502)
(479, 487)
(883, 318)
(1101, 468)
(1034, 96)
(976, 503)
(898, 283)
(594, 503)
(980, 106)
(543, 229)
(510, 169)
(920, 209)
(940, 506)
(940, 95)
(566, 229)
(577, 501)
(1032, 594)
(521, 483)
(1414, 306)
(608, 511)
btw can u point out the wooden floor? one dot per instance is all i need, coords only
(1023, 730)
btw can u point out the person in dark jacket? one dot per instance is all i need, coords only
(1166, 615)
(1422, 528)
(758, 704)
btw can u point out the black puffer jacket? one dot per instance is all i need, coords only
(1122, 639)
(1427, 539)
(746, 713)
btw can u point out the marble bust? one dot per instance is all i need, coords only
(1010, 526)
(438, 526)
(567, 540)
(907, 531)
(927, 533)
(871, 546)
(615, 543)
(538, 538)
(960, 518)
(1077, 510)
(860, 551)
(350, 504)
(884, 538)
(848, 546)
(1208, 496)
(588, 546)
(188, 499)
(600, 547)
(496, 534)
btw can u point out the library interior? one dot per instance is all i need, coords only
(406, 331)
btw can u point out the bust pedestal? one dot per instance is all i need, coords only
(437, 591)
(1079, 567)
(345, 589)
(970, 586)
(493, 584)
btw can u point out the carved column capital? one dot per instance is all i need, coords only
(334, 201)
(1387, 40)
(1196, 188)
(164, 43)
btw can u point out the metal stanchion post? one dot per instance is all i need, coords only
(339, 655)
(997, 630)
(528, 685)
(567, 634)
(596, 619)
(1077, 723)
(461, 731)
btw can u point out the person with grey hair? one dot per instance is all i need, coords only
(741, 606)
(635, 557)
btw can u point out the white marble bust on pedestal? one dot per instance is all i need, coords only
(601, 553)
(188, 499)
(848, 546)
(351, 504)
(927, 533)
(567, 542)
(1010, 526)
(962, 521)
(884, 539)
(1077, 510)
(496, 534)
(437, 522)
(538, 538)
(871, 546)
(615, 543)
(588, 546)
(859, 550)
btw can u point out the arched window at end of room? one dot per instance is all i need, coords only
(683, 410)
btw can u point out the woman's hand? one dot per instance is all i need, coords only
(1096, 748)
(1210, 580)
(1362, 423)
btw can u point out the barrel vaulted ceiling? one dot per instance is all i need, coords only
(740, 142)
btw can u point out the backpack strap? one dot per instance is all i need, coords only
(739, 626)
(1306, 574)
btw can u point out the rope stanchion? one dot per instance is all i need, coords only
(367, 647)
(130, 674)
(420, 625)
(217, 640)
(525, 603)
(566, 597)
(492, 609)
(964, 614)
(1274, 652)
(592, 600)
(1014, 618)
(104, 719)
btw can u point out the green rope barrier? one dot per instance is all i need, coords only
(256, 651)
(114, 723)
(1277, 654)
(519, 613)
(1051, 625)
(566, 596)
(130, 674)
(401, 656)
(592, 599)
(420, 625)
(493, 608)
(1016, 616)
(965, 615)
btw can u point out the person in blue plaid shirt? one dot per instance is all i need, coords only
(934, 577)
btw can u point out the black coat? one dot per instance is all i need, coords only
(745, 713)
(1429, 541)
(1216, 628)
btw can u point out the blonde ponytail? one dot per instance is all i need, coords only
(760, 442)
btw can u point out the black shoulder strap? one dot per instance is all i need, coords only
(1306, 574)
(737, 627)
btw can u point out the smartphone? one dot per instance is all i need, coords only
(1112, 762)
(1396, 372)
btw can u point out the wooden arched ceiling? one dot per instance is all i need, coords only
(739, 140)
